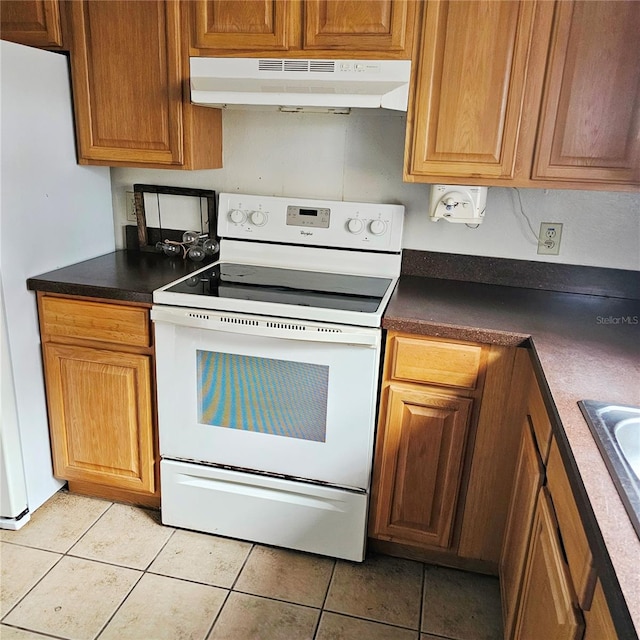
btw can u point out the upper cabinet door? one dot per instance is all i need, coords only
(470, 88)
(247, 25)
(32, 22)
(590, 118)
(384, 26)
(126, 72)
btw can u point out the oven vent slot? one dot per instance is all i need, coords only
(270, 65)
(285, 325)
(199, 316)
(245, 321)
(329, 330)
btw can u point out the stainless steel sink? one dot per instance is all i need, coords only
(616, 430)
(627, 435)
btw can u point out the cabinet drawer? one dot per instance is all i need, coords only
(100, 321)
(431, 361)
(574, 539)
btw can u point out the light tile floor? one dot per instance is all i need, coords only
(86, 568)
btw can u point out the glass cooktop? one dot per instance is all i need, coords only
(287, 286)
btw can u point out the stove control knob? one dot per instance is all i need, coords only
(355, 225)
(237, 216)
(259, 218)
(377, 227)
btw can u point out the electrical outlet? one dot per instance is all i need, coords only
(549, 238)
(130, 207)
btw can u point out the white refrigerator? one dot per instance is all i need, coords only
(53, 213)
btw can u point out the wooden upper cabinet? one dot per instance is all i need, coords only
(304, 28)
(127, 68)
(242, 25)
(354, 25)
(527, 94)
(35, 23)
(470, 90)
(126, 79)
(590, 118)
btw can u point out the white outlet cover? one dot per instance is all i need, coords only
(457, 203)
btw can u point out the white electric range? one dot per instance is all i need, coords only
(267, 373)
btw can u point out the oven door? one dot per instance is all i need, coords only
(267, 395)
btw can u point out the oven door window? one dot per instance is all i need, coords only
(263, 395)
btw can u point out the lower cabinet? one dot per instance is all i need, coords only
(98, 364)
(548, 580)
(100, 408)
(548, 606)
(598, 622)
(438, 494)
(528, 480)
(468, 473)
(424, 442)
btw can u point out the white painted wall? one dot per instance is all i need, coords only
(359, 157)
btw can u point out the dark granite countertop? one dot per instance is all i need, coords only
(120, 275)
(585, 347)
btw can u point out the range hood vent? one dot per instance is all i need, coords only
(224, 82)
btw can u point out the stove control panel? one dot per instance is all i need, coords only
(353, 225)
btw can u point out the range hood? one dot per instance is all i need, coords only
(300, 84)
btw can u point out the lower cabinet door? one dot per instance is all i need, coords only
(419, 463)
(528, 479)
(598, 622)
(100, 416)
(547, 607)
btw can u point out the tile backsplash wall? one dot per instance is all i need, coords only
(359, 157)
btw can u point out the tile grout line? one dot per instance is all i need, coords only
(26, 630)
(133, 586)
(229, 591)
(232, 589)
(62, 555)
(42, 577)
(143, 572)
(326, 595)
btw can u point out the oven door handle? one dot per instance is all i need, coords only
(282, 328)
